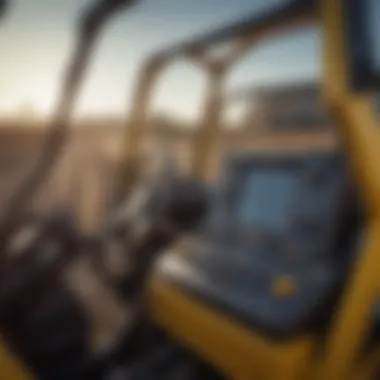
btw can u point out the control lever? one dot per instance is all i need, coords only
(152, 219)
(40, 251)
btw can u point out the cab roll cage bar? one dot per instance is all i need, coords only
(91, 25)
(242, 37)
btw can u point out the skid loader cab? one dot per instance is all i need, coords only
(279, 282)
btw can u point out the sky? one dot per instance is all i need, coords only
(37, 36)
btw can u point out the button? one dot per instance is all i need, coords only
(284, 286)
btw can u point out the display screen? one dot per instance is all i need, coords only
(267, 199)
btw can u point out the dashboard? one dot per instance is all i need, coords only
(269, 255)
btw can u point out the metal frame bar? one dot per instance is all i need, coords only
(361, 138)
(242, 36)
(92, 25)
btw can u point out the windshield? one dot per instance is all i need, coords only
(36, 39)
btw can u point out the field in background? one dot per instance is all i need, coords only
(84, 170)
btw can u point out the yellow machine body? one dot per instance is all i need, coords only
(232, 348)
(10, 366)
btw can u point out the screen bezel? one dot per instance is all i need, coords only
(237, 166)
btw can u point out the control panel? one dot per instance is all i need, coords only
(269, 252)
(292, 201)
